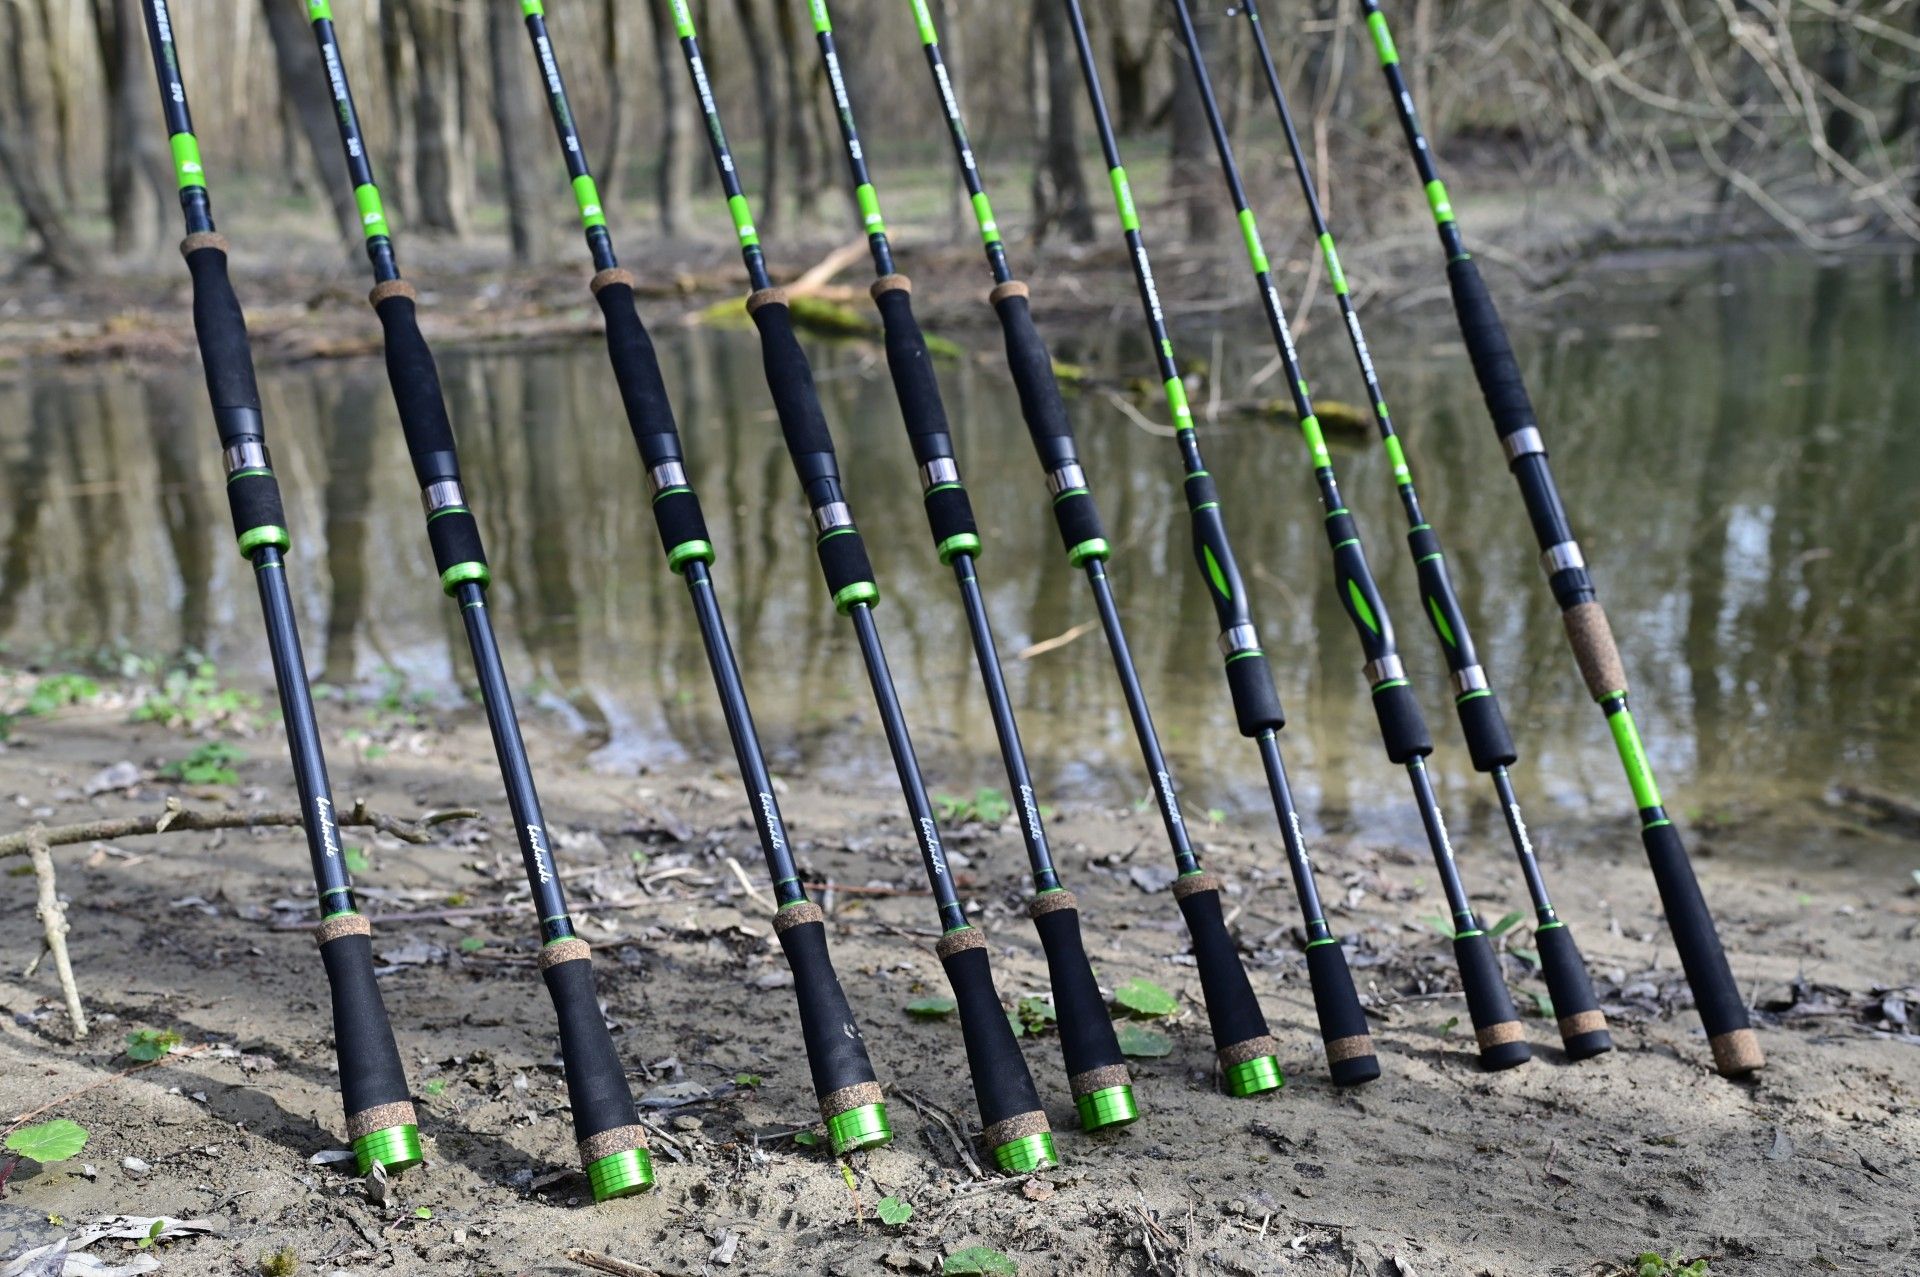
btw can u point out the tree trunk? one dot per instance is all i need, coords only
(516, 119)
(134, 190)
(768, 204)
(303, 85)
(1193, 152)
(675, 186)
(1130, 62)
(614, 52)
(443, 173)
(43, 213)
(1059, 193)
(401, 168)
(801, 139)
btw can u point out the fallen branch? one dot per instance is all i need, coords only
(177, 819)
(59, 1101)
(53, 919)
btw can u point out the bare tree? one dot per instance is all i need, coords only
(675, 188)
(443, 173)
(303, 84)
(44, 214)
(516, 118)
(1059, 190)
(137, 179)
(764, 97)
(614, 52)
(1194, 181)
(801, 139)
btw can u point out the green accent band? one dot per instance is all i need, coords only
(1254, 1077)
(835, 532)
(682, 20)
(446, 510)
(1315, 944)
(1361, 610)
(1316, 441)
(1335, 276)
(318, 9)
(587, 195)
(742, 216)
(1440, 624)
(397, 1148)
(1549, 926)
(621, 1175)
(869, 202)
(1214, 573)
(1256, 251)
(1028, 1153)
(1088, 551)
(1633, 757)
(1382, 686)
(1395, 455)
(460, 573)
(1177, 404)
(1247, 655)
(1474, 695)
(186, 160)
(1106, 1108)
(1382, 38)
(254, 538)
(1437, 199)
(983, 214)
(1349, 541)
(532, 9)
(247, 474)
(1070, 492)
(850, 597)
(858, 1128)
(960, 543)
(688, 552)
(373, 217)
(924, 20)
(822, 21)
(1123, 197)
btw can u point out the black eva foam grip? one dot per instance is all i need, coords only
(370, 1070)
(1403, 729)
(416, 392)
(1494, 365)
(1256, 702)
(1488, 1002)
(1233, 1011)
(1001, 1083)
(255, 502)
(676, 512)
(950, 513)
(1570, 989)
(843, 561)
(1485, 727)
(596, 1082)
(636, 369)
(1715, 995)
(220, 328)
(1337, 1006)
(914, 382)
(790, 381)
(1086, 1032)
(1079, 518)
(1041, 406)
(455, 538)
(835, 1053)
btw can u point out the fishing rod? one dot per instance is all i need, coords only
(1403, 729)
(1736, 1049)
(612, 1143)
(1016, 1129)
(1256, 703)
(843, 1078)
(1242, 1042)
(373, 1084)
(1582, 1024)
(1097, 1072)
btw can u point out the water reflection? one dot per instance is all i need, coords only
(1729, 452)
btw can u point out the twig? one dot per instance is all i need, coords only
(746, 884)
(933, 1112)
(78, 1091)
(1056, 642)
(608, 1264)
(53, 919)
(177, 818)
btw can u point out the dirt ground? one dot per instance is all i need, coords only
(1555, 1168)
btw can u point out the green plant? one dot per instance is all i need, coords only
(279, 1263)
(208, 765)
(57, 691)
(1145, 998)
(978, 1261)
(931, 1008)
(151, 1044)
(1652, 1264)
(356, 860)
(193, 698)
(746, 1079)
(154, 1230)
(892, 1211)
(1035, 1014)
(987, 807)
(1141, 1042)
(54, 1141)
(472, 944)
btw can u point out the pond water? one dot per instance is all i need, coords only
(1731, 437)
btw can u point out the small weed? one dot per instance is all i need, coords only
(1652, 1264)
(988, 806)
(57, 691)
(892, 1211)
(931, 1008)
(151, 1044)
(436, 1086)
(746, 1079)
(154, 1230)
(356, 861)
(279, 1263)
(1145, 998)
(1035, 1014)
(54, 1141)
(210, 764)
(472, 944)
(193, 698)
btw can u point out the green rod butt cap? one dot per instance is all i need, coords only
(1028, 1153)
(622, 1174)
(397, 1148)
(1087, 550)
(858, 1128)
(959, 543)
(854, 595)
(1255, 1076)
(1109, 1107)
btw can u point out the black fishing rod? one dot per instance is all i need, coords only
(1736, 1049)
(1403, 729)
(1096, 1070)
(1583, 1025)
(1241, 1039)
(612, 1143)
(1016, 1129)
(1256, 703)
(373, 1084)
(843, 1079)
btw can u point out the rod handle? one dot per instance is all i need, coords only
(1583, 1025)
(604, 1121)
(1736, 1050)
(796, 400)
(1010, 1112)
(949, 509)
(373, 1083)
(1343, 1024)
(1048, 424)
(843, 1077)
(1494, 365)
(1088, 1046)
(1240, 1033)
(1482, 722)
(1497, 1030)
